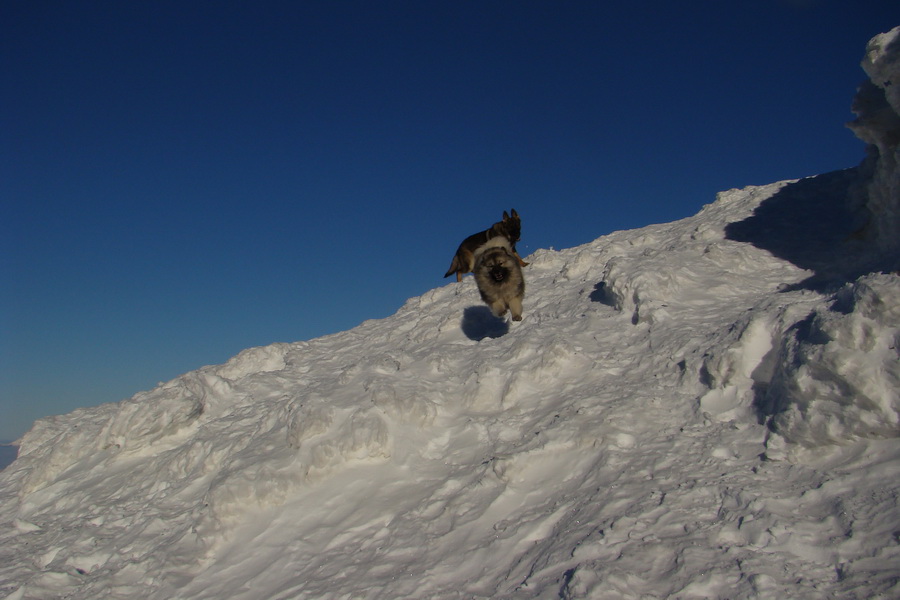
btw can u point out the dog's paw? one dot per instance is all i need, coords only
(517, 317)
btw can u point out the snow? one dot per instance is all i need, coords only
(877, 106)
(700, 409)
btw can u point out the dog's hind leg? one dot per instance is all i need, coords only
(454, 267)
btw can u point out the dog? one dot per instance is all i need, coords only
(509, 228)
(498, 275)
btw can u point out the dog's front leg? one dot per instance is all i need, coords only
(515, 308)
(498, 308)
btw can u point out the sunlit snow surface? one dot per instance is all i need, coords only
(701, 409)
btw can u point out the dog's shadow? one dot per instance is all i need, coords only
(479, 322)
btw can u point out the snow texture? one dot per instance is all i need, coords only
(701, 409)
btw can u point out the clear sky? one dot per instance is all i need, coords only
(182, 180)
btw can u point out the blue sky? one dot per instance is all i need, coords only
(183, 180)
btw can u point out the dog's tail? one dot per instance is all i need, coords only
(454, 267)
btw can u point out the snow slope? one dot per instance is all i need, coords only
(700, 409)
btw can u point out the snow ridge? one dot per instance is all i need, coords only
(679, 414)
(700, 409)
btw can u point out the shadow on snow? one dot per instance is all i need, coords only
(809, 223)
(479, 322)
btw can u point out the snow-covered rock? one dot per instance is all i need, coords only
(700, 409)
(877, 106)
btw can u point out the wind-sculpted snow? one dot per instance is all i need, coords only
(700, 409)
(678, 415)
(839, 377)
(877, 106)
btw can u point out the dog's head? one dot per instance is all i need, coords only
(498, 273)
(510, 227)
(498, 261)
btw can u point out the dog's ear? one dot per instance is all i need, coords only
(515, 214)
(505, 216)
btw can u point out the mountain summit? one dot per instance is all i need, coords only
(701, 409)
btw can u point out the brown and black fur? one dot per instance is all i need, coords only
(499, 278)
(464, 259)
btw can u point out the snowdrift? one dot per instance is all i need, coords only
(701, 409)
